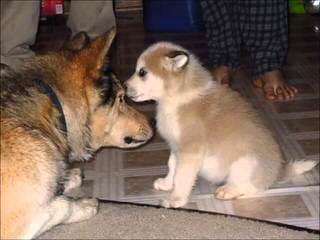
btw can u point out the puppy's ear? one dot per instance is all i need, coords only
(93, 57)
(176, 61)
(78, 42)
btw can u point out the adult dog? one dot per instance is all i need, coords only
(58, 107)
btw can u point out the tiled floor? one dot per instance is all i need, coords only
(128, 175)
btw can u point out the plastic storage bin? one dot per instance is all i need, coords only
(172, 15)
(51, 7)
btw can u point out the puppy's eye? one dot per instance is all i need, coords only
(142, 72)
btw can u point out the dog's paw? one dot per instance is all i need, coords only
(91, 202)
(89, 207)
(174, 202)
(74, 179)
(83, 209)
(163, 184)
(227, 193)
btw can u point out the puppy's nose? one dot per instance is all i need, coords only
(153, 122)
(131, 92)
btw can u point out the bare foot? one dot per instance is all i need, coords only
(222, 75)
(274, 86)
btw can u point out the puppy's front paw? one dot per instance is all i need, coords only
(163, 184)
(174, 202)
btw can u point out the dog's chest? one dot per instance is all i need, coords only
(167, 124)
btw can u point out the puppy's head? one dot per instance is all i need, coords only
(156, 68)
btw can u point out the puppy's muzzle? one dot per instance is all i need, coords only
(131, 92)
(153, 122)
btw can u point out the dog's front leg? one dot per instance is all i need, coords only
(63, 210)
(72, 179)
(187, 169)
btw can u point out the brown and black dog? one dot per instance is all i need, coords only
(58, 107)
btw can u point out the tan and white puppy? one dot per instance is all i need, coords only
(211, 130)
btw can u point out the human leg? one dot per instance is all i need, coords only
(223, 37)
(19, 24)
(93, 17)
(264, 28)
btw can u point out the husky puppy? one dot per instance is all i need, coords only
(211, 130)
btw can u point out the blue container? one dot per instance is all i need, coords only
(172, 15)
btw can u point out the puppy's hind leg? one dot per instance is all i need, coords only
(239, 181)
(63, 210)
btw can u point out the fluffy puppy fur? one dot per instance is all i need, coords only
(211, 130)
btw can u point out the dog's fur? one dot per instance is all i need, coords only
(211, 130)
(34, 151)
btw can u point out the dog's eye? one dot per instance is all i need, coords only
(121, 98)
(142, 72)
(106, 90)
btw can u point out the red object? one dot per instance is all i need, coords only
(51, 7)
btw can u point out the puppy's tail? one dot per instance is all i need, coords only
(296, 168)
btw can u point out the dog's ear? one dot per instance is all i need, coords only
(94, 55)
(176, 61)
(5, 70)
(78, 42)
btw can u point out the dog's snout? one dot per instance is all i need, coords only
(153, 122)
(128, 140)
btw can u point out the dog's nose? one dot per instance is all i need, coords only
(128, 140)
(152, 122)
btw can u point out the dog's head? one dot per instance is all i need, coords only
(156, 69)
(112, 122)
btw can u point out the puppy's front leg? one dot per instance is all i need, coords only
(166, 184)
(187, 169)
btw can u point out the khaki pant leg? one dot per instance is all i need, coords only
(19, 25)
(94, 17)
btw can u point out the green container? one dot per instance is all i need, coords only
(296, 7)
